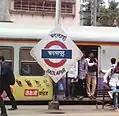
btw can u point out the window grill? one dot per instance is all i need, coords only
(44, 6)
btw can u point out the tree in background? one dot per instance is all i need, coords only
(113, 5)
(109, 16)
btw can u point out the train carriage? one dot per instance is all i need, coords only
(16, 41)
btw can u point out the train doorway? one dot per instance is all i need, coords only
(68, 92)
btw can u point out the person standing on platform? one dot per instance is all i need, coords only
(73, 76)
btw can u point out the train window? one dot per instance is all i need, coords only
(7, 52)
(28, 66)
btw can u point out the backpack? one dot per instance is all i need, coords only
(60, 85)
(114, 70)
(11, 77)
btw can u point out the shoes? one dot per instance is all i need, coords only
(13, 108)
(93, 97)
(81, 97)
(110, 94)
(3, 114)
(90, 97)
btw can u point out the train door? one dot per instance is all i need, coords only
(87, 49)
(96, 51)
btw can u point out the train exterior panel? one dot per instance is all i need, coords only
(32, 83)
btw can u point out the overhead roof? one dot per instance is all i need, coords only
(77, 33)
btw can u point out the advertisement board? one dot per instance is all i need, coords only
(32, 88)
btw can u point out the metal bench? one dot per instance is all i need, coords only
(102, 97)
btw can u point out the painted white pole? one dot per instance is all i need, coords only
(4, 11)
(58, 13)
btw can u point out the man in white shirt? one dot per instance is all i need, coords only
(113, 65)
(73, 71)
(107, 73)
(73, 74)
(113, 73)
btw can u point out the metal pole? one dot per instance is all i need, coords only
(58, 12)
(55, 104)
(93, 12)
(4, 10)
(57, 23)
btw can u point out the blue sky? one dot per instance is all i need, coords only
(106, 2)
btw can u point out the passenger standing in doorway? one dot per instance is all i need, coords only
(82, 73)
(6, 84)
(91, 76)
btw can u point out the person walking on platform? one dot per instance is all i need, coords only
(7, 81)
(2, 76)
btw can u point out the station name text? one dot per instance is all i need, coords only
(55, 73)
(58, 53)
(58, 35)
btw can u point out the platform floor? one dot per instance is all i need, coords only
(70, 110)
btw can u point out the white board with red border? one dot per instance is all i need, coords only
(56, 53)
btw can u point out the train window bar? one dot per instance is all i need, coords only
(26, 61)
(9, 60)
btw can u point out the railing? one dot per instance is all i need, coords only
(19, 6)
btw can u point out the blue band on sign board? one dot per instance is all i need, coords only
(56, 54)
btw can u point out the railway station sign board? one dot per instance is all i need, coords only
(56, 53)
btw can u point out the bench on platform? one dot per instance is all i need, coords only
(102, 97)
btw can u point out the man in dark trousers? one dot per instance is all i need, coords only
(7, 80)
(2, 105)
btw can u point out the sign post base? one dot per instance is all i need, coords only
(53, 105)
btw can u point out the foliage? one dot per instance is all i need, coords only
(113, 5)
(109, 15)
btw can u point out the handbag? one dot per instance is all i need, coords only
(60, 87)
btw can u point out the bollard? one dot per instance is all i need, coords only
(53, 105)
